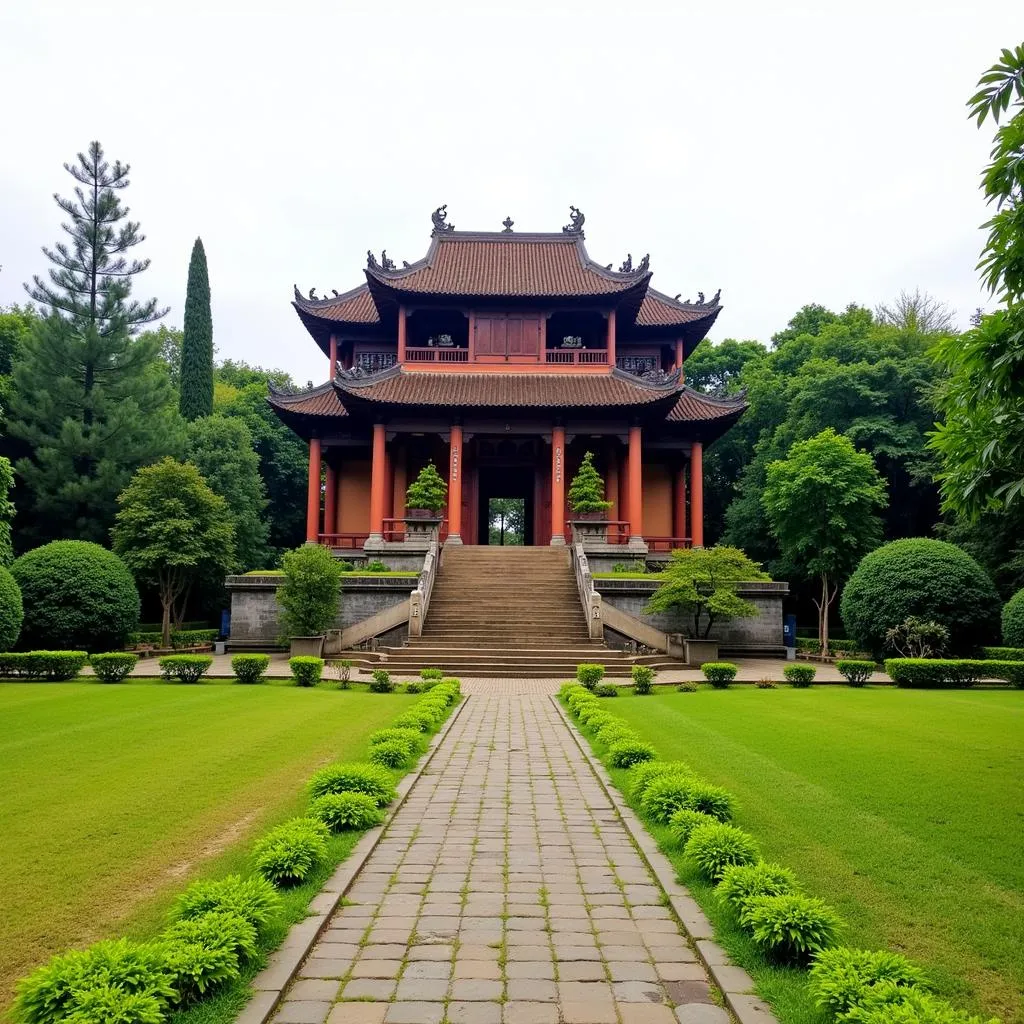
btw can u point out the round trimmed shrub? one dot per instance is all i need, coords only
(341, 811)
(114, 666)
(719, 673)
(286, 854)
(371, 779)
(606, 690)
(12, 611)
(800, 676)
(664, 796)
(930, 579)
(380, 681)
(642, 775)
(742, 882)
(714, 847)
(249, 668)
(185, 668)
(253, 898)
(683, 822)
(614, 732)
(890, 1003)
(1013, 620)
(711, 800)
(394, 754)
(791, 926)
(306, 669)
(643, 679)
(411, 739)
(856, 673)
(627, 753)
(76, 596)
(842, 978)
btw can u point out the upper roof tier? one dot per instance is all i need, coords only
(474, 265)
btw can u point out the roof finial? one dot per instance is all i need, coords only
(507, 225)
(298, 294)
(385, 263)
(576, 219)
(371, 260)
(627, 264)
(644, 264)
(716, 298)
(440, 219)
(312, 295)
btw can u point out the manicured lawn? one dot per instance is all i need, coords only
(903, 809)
(115, 797)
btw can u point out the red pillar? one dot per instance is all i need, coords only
(313, 492)
(455, 461)
(610, 344)
(636, 486)
(378, 482)
(331, 500)
(697, 494)
(611, 481)
(333, 356)
(401, 334)
(558, 485)
(679, 502)
(679, 354)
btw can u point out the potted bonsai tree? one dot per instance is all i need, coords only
(309, 597)
(587, 501)
(425, 501)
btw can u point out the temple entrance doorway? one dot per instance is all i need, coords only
(506, 505)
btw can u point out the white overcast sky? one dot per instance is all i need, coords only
(787, 153)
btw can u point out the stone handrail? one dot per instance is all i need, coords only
(590, 599)
(419, 599)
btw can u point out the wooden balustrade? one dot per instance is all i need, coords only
(436, 355)
(577, 356)
(668, 543)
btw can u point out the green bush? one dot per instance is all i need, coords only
(110, 1004)
(1013, 620)
(642, 775)
(842, 978)
(887, 1003)
(249, 668)
(370, 779)
(688, 686)
(589, 675)
(310, 593)
(711, 800)
(742, 882)
(856, 673)
(306, 670)
(204, 952)
(413, 719)
(413, 687)
(253, 898)
(714, 847)
(606, 690)
(791, 926)
(344, 669)
(193, 637)
(627, 753)
(928, 579)
(586, 491)
(390, 755)
(614, 732)
(347, 810)
(53, 992)
(185, 668)
(1003, 653)
(428, 491)
(684, 821)
(287, 854)
(593, 716)
(411, 739)
(380, 681)
(800, 676)
(934, 673)
(223, 928)
(427, 674)
(376, 565)
(55, 666)
(643, 680)
(76, 596)
(12, 611)
(664, 795)
(113, 667)
(719, 673)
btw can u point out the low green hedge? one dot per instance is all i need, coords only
(185, 668)
(800, 676)
(306, 669)
(936, 673)
(856, 673)
(249, 668)
(179, 638)
(53, 666)
(1003, 653)
(113, 667)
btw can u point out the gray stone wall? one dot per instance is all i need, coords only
(254, 608)
(765, 628)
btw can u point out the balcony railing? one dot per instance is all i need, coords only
(437, 355)
(577, 356)
(394, 530)
(667, 543)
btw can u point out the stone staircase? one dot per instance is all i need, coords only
(508, 612)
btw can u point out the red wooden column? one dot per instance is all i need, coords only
(401, 334)
(455, 486)
(679, 354)
(697, 494)
(679, 502)
(558, 485)
(331, 499)
(636, 486)
(611, 481)
(378, 482)
(313, 492)
(333, 356)
(610, 344)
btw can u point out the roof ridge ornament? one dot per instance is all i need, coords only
(385, 263)
(644, 264)
(371, 260)
(576, 220)
(440, 219)
(627, 264)
(507, 225)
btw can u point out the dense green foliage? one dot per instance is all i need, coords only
(800, 676)
(930, 579)
(822, 502)
(589, 674)
(586, 492)
(700, 583)
(12, 610)
(306, 670)
(114, 666)
(196, 381)
(719, 673)
(792, 926)
(348, 810)
(76, 595)
(310, 595)
(7, 511)
(841, 978)
(249, 668)
(643, 679)
(371, 779)
(173, 531)
(1013, 620)
(855, 672)
(930, 673)
(286, 854)
(53, 666)
(185, 668)
(428, 491)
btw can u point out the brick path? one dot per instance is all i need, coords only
(505, 891)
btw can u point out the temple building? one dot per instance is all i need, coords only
(503, 357)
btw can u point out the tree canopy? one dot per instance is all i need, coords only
(197, 340)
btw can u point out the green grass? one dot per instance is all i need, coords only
(903, 809)
(116, 797)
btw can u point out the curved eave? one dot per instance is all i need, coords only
(693, 332)
(306, 412)
(702, 417)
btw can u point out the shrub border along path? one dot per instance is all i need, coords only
(283, 965)
(734, 982)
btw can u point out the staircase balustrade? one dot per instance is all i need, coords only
(589, 597)
(419, 599)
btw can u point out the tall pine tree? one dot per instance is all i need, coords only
(197, 345)
(89, 398)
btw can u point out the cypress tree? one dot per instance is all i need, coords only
(197, 344)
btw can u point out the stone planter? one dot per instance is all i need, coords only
(591, 527)
(419, 522)
(700, 651)
(302, 646)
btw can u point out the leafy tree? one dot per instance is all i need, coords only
(917, 311)
(168, 344)
(822, 503)
(172, 530)
(507, 522)
(16, 323)
(586, 492)
(981, 438)
(428, 491)
(197, 341)
(311, 592)
(6, 511)
(89, 400)
(702, 582)
(716, 369)
(220, 447)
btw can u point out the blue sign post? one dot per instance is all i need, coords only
(789, 636)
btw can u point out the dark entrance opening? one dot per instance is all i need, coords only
(508, 489)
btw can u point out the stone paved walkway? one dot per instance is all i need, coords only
(505, 891)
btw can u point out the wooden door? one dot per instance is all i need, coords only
(504, 338)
